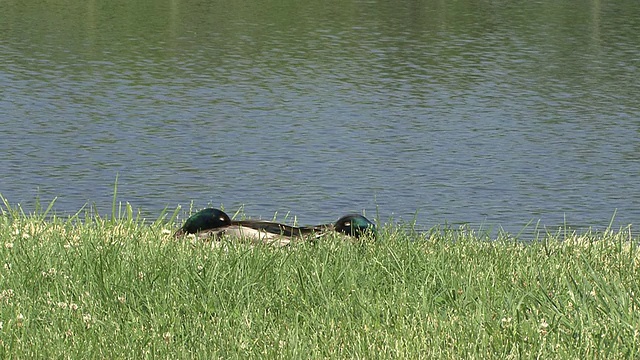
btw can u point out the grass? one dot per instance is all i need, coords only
(121, 287)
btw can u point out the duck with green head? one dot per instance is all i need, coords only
(354, 225)
(212, 222)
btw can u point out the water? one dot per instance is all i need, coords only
(493, 114)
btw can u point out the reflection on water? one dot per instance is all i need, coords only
(459, 112)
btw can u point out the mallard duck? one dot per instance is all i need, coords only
(212, 222)
(354, 225)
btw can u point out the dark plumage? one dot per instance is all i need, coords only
(355, 225)
(204, 220)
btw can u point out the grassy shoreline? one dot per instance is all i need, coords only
(123, 288)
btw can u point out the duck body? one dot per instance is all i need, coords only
(268, 231)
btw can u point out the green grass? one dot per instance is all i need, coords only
(92, 287)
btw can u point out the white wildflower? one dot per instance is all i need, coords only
(543, 327)
(87, 320)
(6, 294)
(167, 337)
(506, 321)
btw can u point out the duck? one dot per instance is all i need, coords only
(211, 222)
(354, 225)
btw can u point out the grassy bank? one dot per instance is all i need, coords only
(122, 288)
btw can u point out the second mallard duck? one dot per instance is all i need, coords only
(354, 225)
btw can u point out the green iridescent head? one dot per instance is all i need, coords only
(355, 225)
(206, 219)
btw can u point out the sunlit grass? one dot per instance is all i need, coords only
(122, 287)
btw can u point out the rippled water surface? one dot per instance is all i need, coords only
(489, 113)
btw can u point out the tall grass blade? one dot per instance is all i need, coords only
(113, 201)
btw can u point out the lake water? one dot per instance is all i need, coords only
(491, 113)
